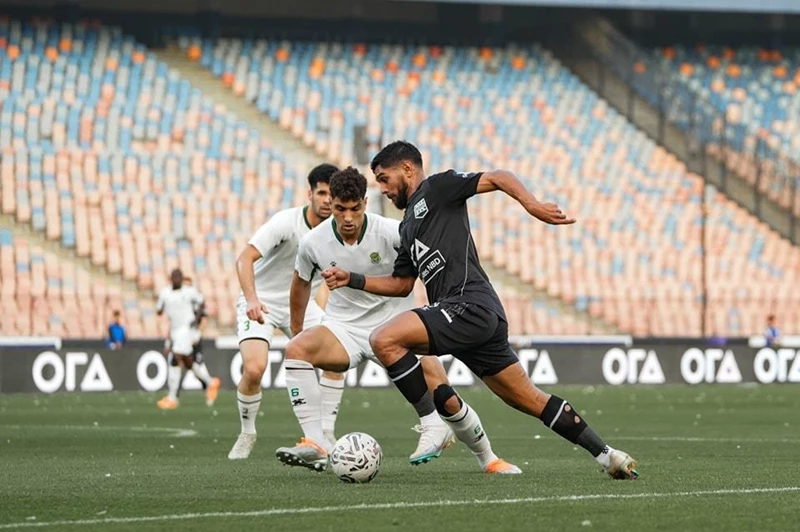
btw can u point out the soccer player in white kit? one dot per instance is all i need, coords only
(353, 239)
(265, 269)
(184, 306)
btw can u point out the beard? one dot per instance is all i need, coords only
(401, 200)
(318, 211)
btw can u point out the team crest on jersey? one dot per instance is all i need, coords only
(375, 257)
(420, 209)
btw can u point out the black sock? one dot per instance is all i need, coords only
(561, 418)
(407, 375)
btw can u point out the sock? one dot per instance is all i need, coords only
(430, 419)
(306, 399)
(174, 378)
(604, 458)
(248, 411)
(407, 375)
(201, 372)
(468, 429)
(561, 418)
(331, 397)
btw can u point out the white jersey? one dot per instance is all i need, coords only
(277, 241)
(373, 254)
(180, 306)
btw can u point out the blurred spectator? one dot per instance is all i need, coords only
(116, 333)
(771, 334)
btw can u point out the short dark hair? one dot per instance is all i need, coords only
(321, 174)
(348, 185)
(395, 153)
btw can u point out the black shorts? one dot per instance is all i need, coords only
(475, 335)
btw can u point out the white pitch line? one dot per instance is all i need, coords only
(701, 439)
(396, 506)
(170, 431)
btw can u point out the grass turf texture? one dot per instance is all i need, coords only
(105, 456)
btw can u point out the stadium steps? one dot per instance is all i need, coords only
(500, 276)
(581, 57)
(38, 239)
(283, 141)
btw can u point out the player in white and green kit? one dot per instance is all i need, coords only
(265, 269)
(352, 239)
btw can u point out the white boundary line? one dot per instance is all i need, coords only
(168, 431)
(702, 439)
(397, 506)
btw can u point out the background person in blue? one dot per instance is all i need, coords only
(771, 334)
(116, 333)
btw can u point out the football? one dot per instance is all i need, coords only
(356, 458)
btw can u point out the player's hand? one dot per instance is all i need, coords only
(336, 278)
(256, 310)
(550, 213)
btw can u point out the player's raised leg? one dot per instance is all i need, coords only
(316, 347)
(200, 370)
(514, 387)
(460, 417)
(255, 353)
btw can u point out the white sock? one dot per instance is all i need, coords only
(174, 378)
(468, 429)
(331, 397)
(306, 399)
(604, 458)
(201, 372)
(431, 419)
(248, 411)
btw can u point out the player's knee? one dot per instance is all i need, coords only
(381, 342)
(446, 400)
(253, 369)
(296, 350)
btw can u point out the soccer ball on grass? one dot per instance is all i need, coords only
(356, 458)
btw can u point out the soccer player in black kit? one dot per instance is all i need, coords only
(465, 317)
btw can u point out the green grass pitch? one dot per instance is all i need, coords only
(710, 458)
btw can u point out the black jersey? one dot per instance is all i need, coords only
(437, 243)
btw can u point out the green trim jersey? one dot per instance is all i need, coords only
(277, 241)
(374, 253)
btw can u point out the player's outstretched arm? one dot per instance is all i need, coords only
(299, 294)
(509, 183)
(244, 270)
(382, 285)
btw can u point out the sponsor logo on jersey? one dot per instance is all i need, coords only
(429, 262)
(375, 257)
(431, 265)
(420, 209)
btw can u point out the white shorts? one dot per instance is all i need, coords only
(278, 318)
(355, 341)
(181, 341)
